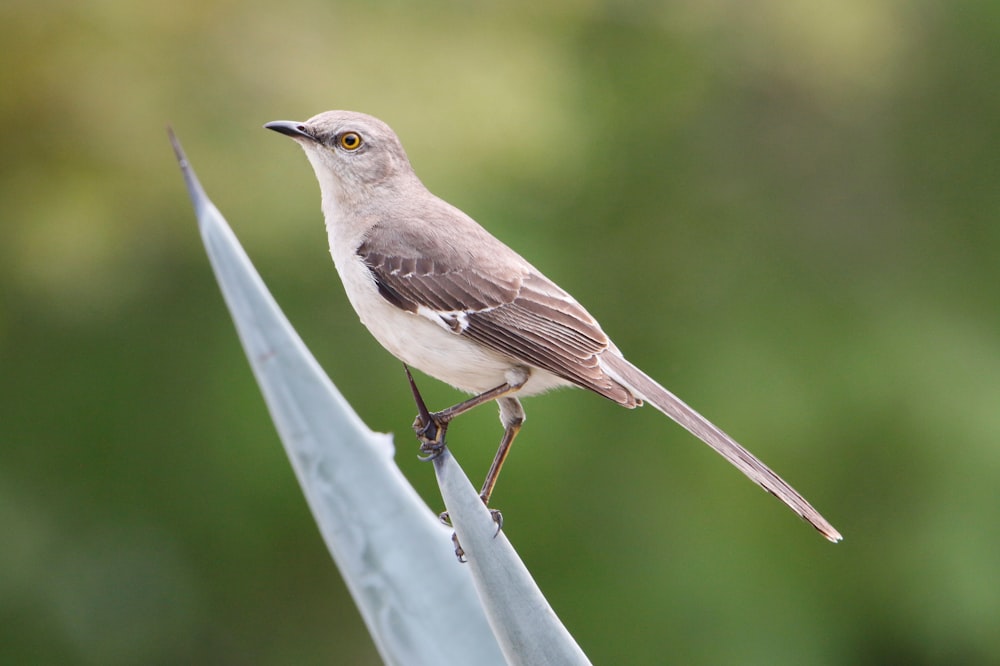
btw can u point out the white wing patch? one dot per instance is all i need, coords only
(453, 321)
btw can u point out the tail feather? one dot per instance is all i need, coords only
(647, 389)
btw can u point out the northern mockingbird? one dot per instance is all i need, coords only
(443, 295)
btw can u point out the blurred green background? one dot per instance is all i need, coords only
(786, 212)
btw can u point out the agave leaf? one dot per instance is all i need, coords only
(528, 630)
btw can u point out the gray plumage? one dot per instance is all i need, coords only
(445, 296)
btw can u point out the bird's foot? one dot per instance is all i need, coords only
(430, 431)
(498, 519)
(429, 427)
(459, 551)
(495, 514)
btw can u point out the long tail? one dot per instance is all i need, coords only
(639, 383)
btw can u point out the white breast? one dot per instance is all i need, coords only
(431, 347)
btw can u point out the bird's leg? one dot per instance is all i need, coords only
(429, 431)
(491, 477)
(430, 427)
(512, 416)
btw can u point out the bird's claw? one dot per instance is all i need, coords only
(495, 514)
(431, 436)
(498, 519)
(428, 426)
(430, 429)
(459, 551)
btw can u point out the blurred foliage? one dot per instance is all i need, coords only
(786, 212)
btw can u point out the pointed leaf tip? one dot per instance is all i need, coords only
(194, 188)
(178, 150)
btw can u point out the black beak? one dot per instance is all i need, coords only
(291, 128)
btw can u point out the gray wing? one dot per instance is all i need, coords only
(520, 314)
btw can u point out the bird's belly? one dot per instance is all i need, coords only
(420, 343)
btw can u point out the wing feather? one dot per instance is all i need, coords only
(525, 316)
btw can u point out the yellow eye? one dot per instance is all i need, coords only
(349, 140)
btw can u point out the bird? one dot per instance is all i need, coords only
(443, 295)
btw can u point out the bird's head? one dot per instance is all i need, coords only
(352, 153)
